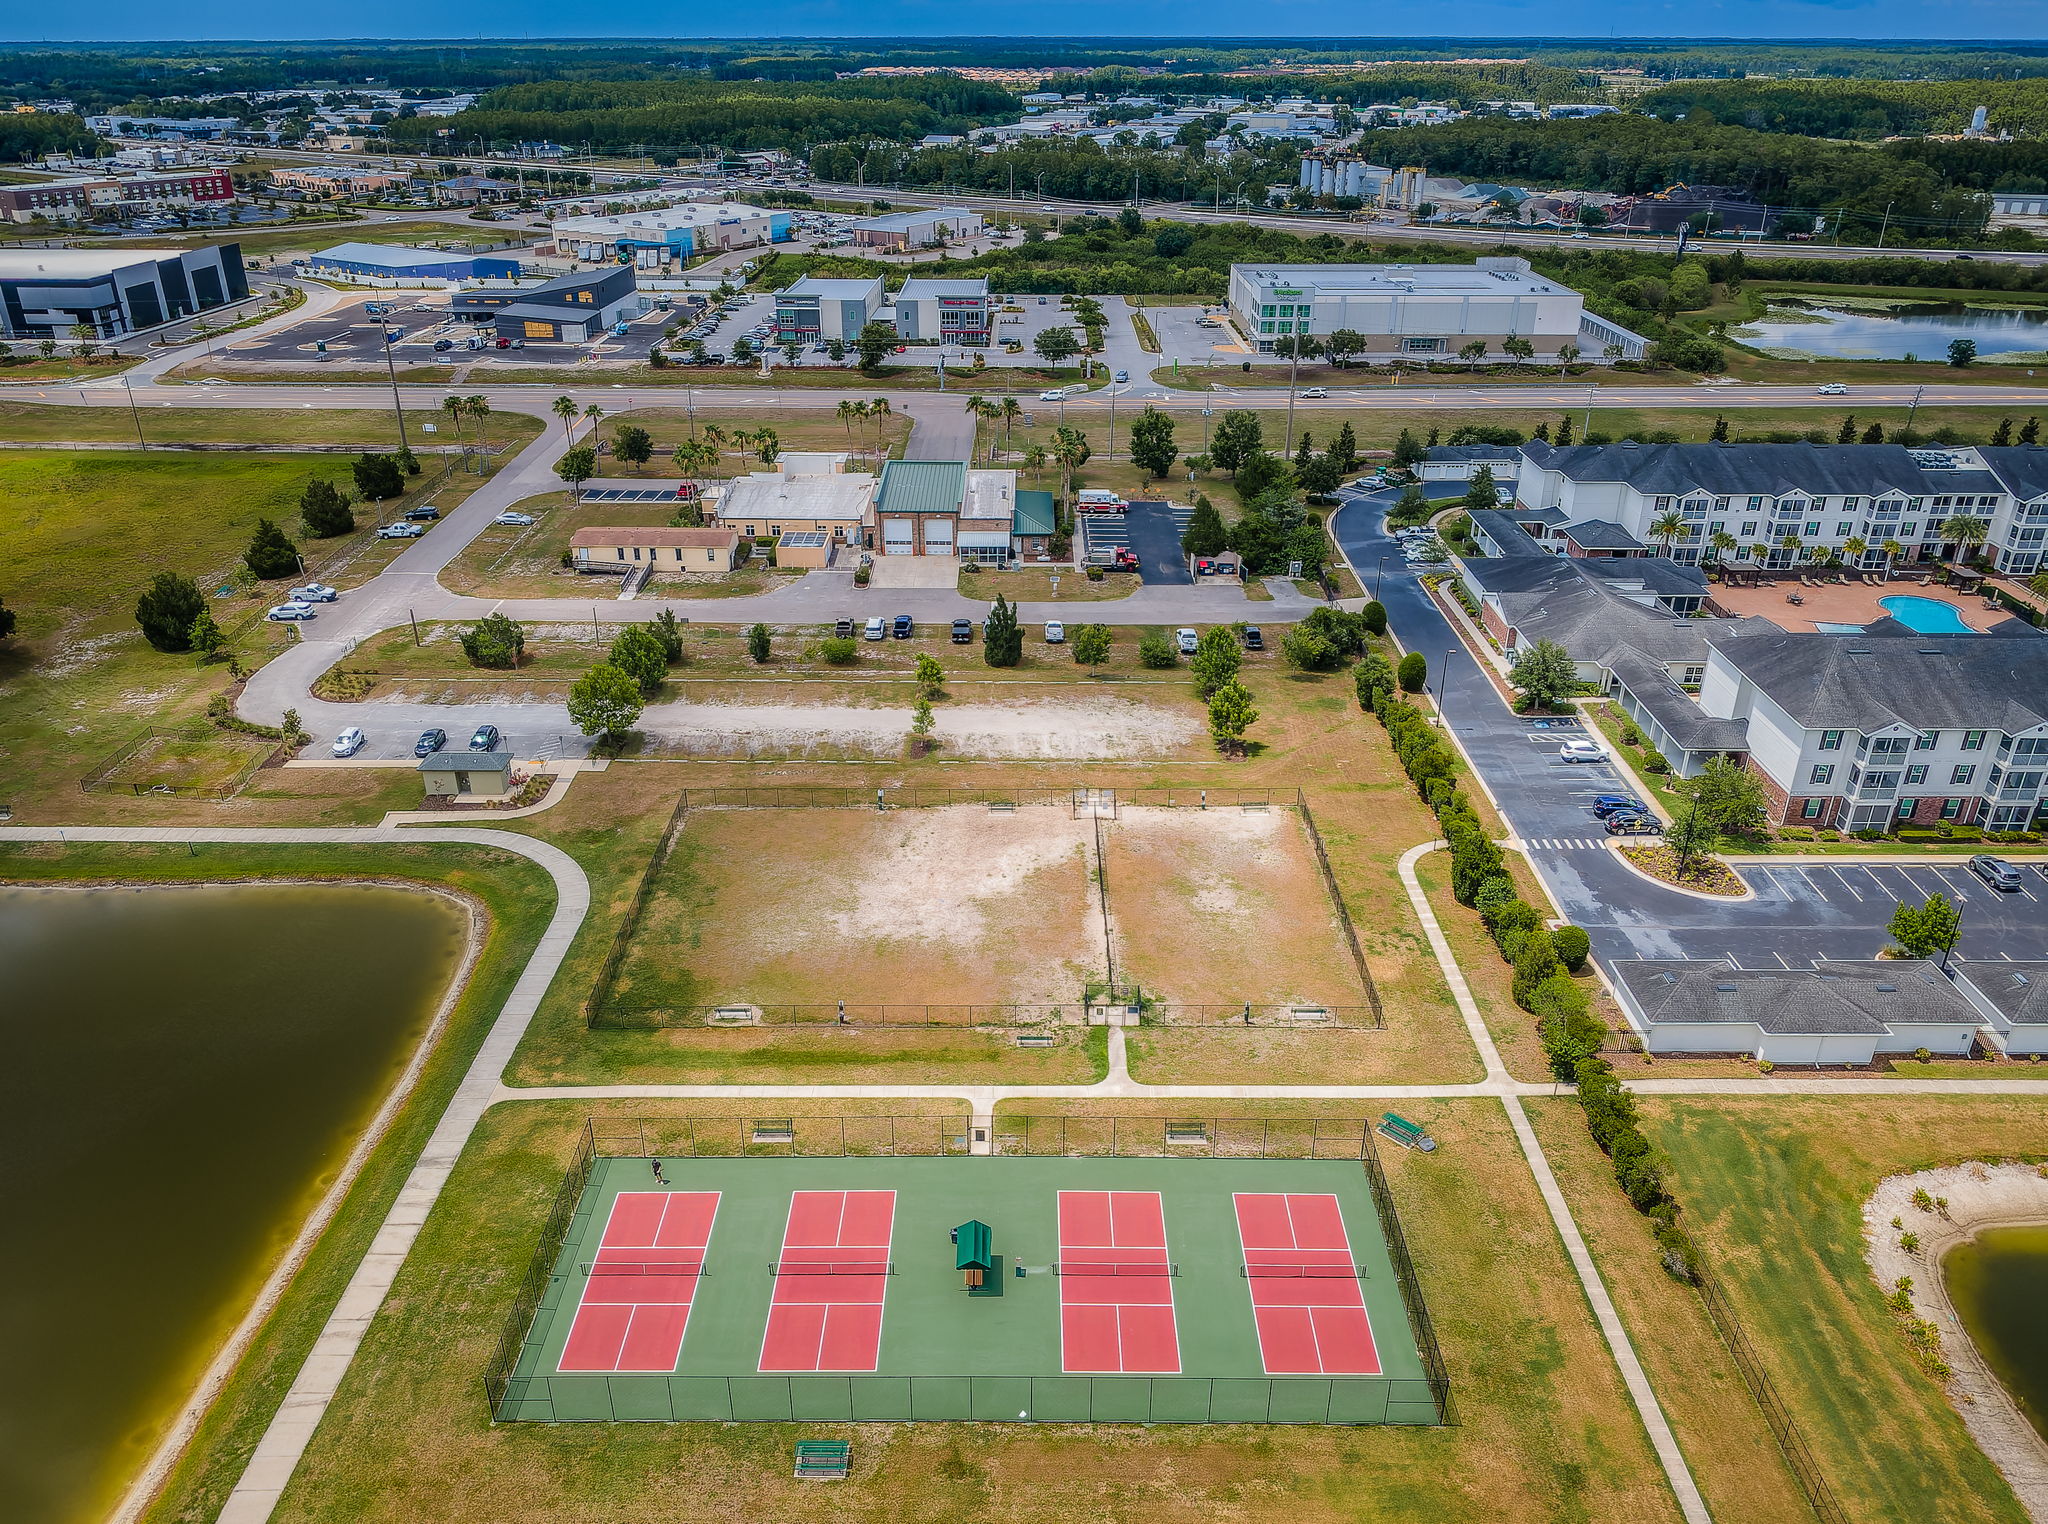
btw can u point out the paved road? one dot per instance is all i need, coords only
(1795, 915)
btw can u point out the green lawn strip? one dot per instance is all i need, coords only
(358, 428)
(520, 900)
(1545, 1431)
(794, 428)
(1773, 1190)
(1734, 1458)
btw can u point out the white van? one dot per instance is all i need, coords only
(1095, 500)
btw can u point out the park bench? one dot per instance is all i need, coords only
(823, 1460)
(1408, 1134)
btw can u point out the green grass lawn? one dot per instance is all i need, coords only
(167, 423)
(1773, 1189)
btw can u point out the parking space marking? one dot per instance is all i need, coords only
(1887, 888)
(1846, 884)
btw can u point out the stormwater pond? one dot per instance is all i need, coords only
(1998, 1281)
(186, 1070)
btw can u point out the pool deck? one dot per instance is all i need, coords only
(1850, 603)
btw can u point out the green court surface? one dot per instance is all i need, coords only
(1155, 1290)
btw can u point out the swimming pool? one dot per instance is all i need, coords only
(1926, 616)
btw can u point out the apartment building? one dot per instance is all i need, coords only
(87, 196)
(1784, 504)
(1869, 731)
(1422, 312)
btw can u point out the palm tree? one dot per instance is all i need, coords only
(479, 408)
(1067, 449)
(1667, 527)
(1892, 551)
(846, 414)
(1010, 412)
(1722, 542)
(1853, 548)
(1966, 531)
(690, 455)
(456, 411)
(590, 415)
(1034, 458)
(767, 445)
(1790, 542)
(878, 410)
(563, 408)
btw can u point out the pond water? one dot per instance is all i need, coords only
(185, 1069)
(1999, 1284)
(1923, 331)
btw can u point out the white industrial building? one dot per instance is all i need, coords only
(1422, 311)
(658, 236)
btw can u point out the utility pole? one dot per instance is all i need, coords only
(1885, 225)
(391, 368)
(1913, 410)
(134, 411)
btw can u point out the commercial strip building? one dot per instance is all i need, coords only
(87, 196)
(398, 262)
(45, 293)
(343, 181)
(568, 309)
(658, 236)
(920, 229)
(946, 311)
(1422, 312)
(817, 308)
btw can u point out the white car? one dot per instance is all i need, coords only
(1832, 389)
(350, 741)
(286, 611)
(1052, 396)
(1055, 632)
(1188, 641)
(1581, 751)
(401, 531)
(1314, 391)
(519, 519)
(313, 592)
(875, 629)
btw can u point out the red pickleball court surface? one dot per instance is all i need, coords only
(1116, 1284)
(1306, 1298)
(636, 1302)
(827, 1311)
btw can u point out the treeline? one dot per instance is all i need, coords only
(1981, 165)
(688, 117)
(29, 135)
(1071, 169)
(1633, 155)
(1860, 108)
(1379, 86)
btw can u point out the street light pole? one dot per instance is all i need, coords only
(1443, 688)
(1381, 572)
(134, 411)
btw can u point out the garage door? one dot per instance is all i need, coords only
(898, 537)
(938, 537)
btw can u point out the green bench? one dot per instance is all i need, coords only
(823, 1460)
(1400, 1130)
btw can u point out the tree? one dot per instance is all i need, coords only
(1720, 433)
(1320, 475)
(1310, 650)
(7, 621)
(1375, 616)
(270, 554)
(1408, 451)
(669, 632)
(1874, 434)
(1344, 449)
(1483, 493)
(2002, 435)
(604, 702)
(1091, 645)
(1667, 527)
(206, 637)
(1205, 535)
(494, 641)
(324, 509)
(922, 722)
(930, 675)
(1689, 837)
(577, 467)
(1237, 436)
(1260, 472)
(873, 343)
(167, 609)
(1472, 352)
(1216, 660)
(1231, 714)
(1071, 449)
(641, 656)
(1152, 442)
(1055, 345)
(1846, 434)
(378, 477)
(1157, 652)
(1564, 432)
(1962, 353)
(1573, 947)
(758, 644)
(1729, 797)
(632, 444)
(1922, 931)
(1967, 531)
(2031, 433)
(1412, 673)
(1545, 676)
(1002, 642)
(563, 408)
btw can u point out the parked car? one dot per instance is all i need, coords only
(1996, 871)
(1188, 641)
(1634, 825)
(1582, 750)
(1253, 640)
(350, 741)
(842, 629)
(876, 628)
(903, 628)
(400, 531)
(963, 632)
(1314, 391)
(313, 592)
(1605, 805)
(519, 520)
(430, 741)
(288, 611)
(1055, 632)
(486, 738)
(422, 513)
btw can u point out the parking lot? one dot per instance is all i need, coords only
(352, 333)
(1182, 337)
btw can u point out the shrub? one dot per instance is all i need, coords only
(1653, 761)
(1573, 946)
(1535, 961)
(1413, 672)
(1157, 652)
(840, 650)
(494, 641)
(1091, 645)
(1493, 893)
(1375, 616)
(1309, 651)
(166, 611)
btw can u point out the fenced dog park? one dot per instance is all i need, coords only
(1202, 909)
(1058, 1270)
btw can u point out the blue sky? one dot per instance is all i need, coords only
(128, 20)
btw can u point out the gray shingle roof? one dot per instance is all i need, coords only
(2019, 990)
(1924, 682)
(2023, 468)
(1600, 534)
(1673, 708)
(1829, 1000)
(1732, 469)
(1506, 454)
(1507, 537)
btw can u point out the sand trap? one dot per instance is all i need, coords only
(1097, 727)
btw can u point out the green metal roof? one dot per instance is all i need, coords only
(921, 486)
(1033, 514)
